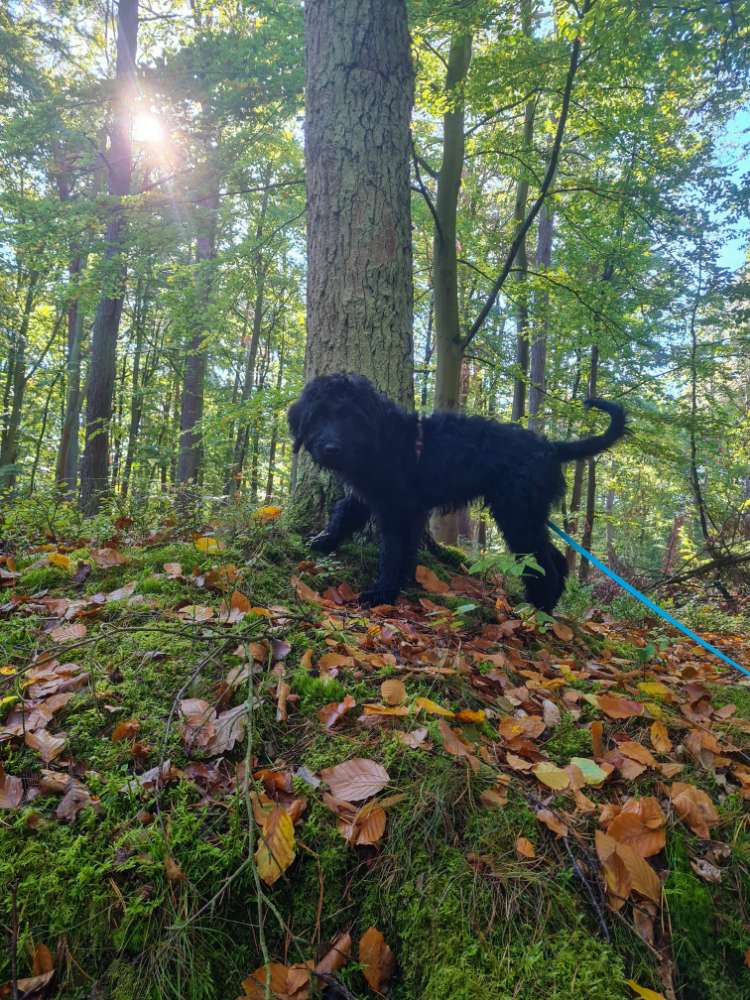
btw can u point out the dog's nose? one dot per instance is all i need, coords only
(330, 451)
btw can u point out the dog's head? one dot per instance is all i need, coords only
(338, 418)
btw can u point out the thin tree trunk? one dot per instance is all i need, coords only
(695, 482)
(359, 90)
(66, 470)
(190, 457)
(136, 395)
(518, 408)
(275, 429)
(120, 390)
(537, 374)
(42, 433)
(101, 376)
(588, 524)
(444, 262)
(17, 382)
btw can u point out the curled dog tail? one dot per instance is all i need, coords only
(569, 451)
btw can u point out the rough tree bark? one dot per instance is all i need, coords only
(101, 375)
(444, 256)
(359, 90)
(66, 470)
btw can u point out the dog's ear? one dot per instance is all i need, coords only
(294, 417)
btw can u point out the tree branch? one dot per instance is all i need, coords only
(549, 176)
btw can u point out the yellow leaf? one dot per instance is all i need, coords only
(275, 851)
(468, 715)
(60, 560)
(208, 543)
(433, 708)
(654, 689)
(268, 514)
(551, 775)
(644, 991)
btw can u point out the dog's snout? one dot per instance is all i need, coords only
(330, 451)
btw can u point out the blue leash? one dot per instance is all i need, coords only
(646, 600)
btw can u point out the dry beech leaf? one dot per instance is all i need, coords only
(636, 751)
(356, 779)
(641, 824)
(11, 790)
(277, 977)
(625, 871)
(494, 798)
(397, 711)
(107, 558)
(551, 775)
(552, 823)
(304, 592)
(41, 960)
(433, 708)
(330, 660)
(562, 631)
(597, 742)
(173, 871)
(517, 763)
(660, 740)
(67, 633)
(275, 851)
(393, 692)
(415, 740)
(125, 730)
(47, 746)
(617, 707)
(330, 714)
(524, 848)
(431, 583)
(695, 808)
(336, 957)
(377, 959)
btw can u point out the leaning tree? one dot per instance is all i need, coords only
(359, 89)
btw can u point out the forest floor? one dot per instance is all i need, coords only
(449, 799)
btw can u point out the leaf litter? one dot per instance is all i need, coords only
(517, 689)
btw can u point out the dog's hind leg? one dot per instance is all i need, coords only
(543, 590)
(349, 515)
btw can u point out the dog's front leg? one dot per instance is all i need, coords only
(348, 515)
(393, 541)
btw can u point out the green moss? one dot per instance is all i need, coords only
(42, 578)
(569, 739)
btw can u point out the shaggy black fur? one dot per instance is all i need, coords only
(398, 473)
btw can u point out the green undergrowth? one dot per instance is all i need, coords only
(465, 917)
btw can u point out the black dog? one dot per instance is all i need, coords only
(401, 467)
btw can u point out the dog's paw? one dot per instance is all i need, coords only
(323, 542)
(371, 598)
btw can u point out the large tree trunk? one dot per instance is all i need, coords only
(15, 389)
(359, 91)
(101, 375)
(190, 456)
(537, 374)
(444, 262)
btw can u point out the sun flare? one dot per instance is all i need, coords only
(147, 128)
